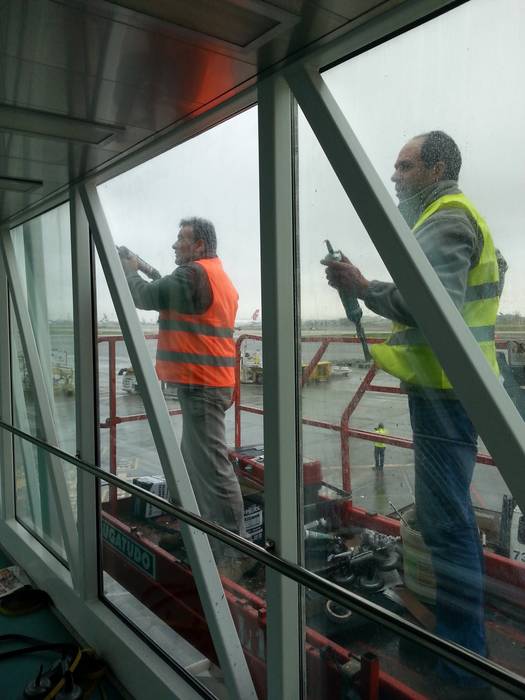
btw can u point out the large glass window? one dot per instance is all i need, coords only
(406, 500)
(192, 215)
(43, 260)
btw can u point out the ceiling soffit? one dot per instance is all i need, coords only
(84, 81)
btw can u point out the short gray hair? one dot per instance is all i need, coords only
(203, 230)
(438, 146)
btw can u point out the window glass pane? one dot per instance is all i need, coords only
(43, 257)
(201, 322)
(126, 444)
(416, 469)
(43, 260)
(147, 577)
(39, 477)
(491, 179)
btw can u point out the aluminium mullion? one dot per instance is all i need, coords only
(211, 593)
(56, 473)
(489, 406)
(282, 480)
(7, 477)
(85, 381)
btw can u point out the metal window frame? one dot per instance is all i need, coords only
(85, 395)
(283, 478)
(7, 477)
(217, 613)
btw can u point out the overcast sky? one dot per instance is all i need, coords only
(461, 72)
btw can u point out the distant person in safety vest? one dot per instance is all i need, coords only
(196, 353)
(459, 246)
(379, 448)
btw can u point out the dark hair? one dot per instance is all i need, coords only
(438, 146)
(203, 230)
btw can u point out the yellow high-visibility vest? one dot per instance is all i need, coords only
(380, 431)
(406, 353)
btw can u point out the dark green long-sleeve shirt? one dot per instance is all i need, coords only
(186, 290)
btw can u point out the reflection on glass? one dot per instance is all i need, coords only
(35, 502)
(147, 577)
(419, 461)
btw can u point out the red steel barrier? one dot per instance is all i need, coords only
(346, 432)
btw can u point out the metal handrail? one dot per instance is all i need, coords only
(493, 673)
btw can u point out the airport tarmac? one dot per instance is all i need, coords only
(324, 401)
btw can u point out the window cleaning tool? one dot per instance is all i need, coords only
(143, 266)
(353, 311)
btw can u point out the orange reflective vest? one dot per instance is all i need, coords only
(199, 348)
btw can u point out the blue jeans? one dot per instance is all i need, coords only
(445, 446)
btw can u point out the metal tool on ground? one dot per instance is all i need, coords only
(397, 512)
(351, 305)
(143, 266)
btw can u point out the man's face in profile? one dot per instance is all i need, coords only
(185, 246)
(411, 174)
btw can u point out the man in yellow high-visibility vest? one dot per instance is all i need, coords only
(379, 448)
(458, 244)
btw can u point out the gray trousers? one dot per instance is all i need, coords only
(203, 447)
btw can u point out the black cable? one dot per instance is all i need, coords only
(36, 645)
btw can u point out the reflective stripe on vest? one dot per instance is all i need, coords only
(199, 349)
(406, 354)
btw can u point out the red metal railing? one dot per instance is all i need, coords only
(508, 574)
(346, 432)
(114, 420)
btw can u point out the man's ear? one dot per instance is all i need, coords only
(439, 169)
(200, 247)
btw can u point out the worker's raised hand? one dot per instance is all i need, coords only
(130, 264)
(346, 276)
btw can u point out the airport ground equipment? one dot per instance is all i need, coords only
(131, 386)
(344, 653)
